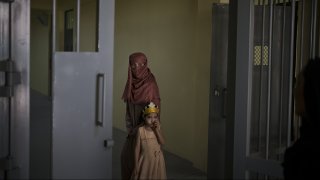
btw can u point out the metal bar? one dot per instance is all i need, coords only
(5, 29)
(316, 51)
(54, 14)
(9, 155)
(53, 46)
(78, 25)
(261, 74)
(6, 83)
(313, 29)
(10, 30)
(302, 33)
(1, 33)
(5, 35)
(292, 52)
(269, 77)
(281, 69)
(243, 86)
(302, 15)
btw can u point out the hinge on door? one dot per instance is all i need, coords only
(11, 78)
(7, 1)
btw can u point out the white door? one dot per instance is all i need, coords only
(82, 92)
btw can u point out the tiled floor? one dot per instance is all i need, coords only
(40, 110)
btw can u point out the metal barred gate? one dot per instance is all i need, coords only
(258, 47)
(280, 36)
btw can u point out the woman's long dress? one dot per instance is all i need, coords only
(133, 119)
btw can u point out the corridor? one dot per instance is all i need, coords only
(177, 168)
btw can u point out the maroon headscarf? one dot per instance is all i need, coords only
(141, 86)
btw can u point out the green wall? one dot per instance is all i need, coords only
(176, 37)
(39, 51)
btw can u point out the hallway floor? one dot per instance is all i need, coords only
(40, 111)
(177, 167)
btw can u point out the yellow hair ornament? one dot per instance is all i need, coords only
(150, 108)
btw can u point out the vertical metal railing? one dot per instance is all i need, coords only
(78, 26)
(7, 80)
(6, 55)
(261, 72)
(281, 72)
(313, 28)
(317, 30)
(292, 55)
(271, 6)
(291, 40)
(302, 15)
(272, 132)
(54, 28)
(309, 34)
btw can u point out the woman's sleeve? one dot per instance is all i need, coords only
(156, 96)
(137, 145)
(128, 118)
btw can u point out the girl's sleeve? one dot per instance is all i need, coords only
(159, 135)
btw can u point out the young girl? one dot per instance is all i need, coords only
(149, 160)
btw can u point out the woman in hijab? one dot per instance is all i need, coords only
(141, 89)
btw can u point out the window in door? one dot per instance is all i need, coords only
(68, 30)
(77, 25)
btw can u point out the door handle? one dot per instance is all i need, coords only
(100, 99)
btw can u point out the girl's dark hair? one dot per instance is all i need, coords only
(312, 90)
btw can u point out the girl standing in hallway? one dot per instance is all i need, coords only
(149, 160)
